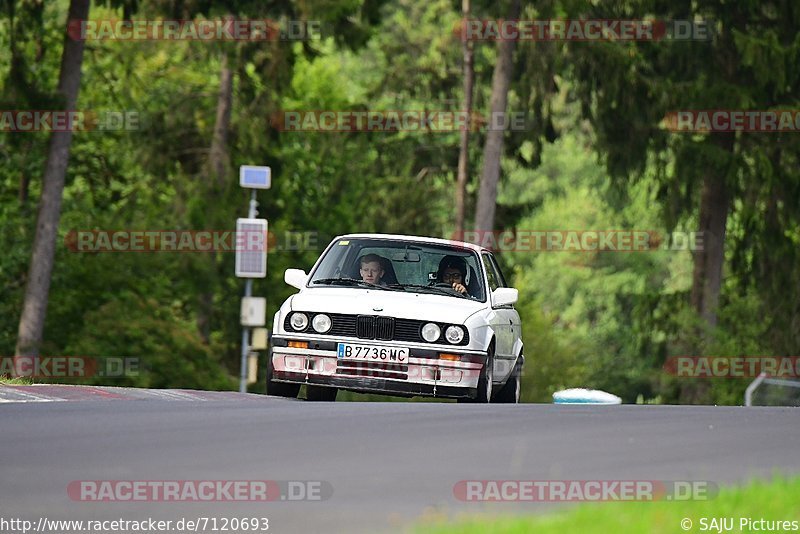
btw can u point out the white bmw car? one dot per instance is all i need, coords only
(398, 315)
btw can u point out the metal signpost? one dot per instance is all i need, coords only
(251, 258)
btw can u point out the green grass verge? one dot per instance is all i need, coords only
(4, 380)
(775, 500)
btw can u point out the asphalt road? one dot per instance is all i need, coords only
(389, 464)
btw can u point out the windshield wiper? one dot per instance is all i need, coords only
(350, 282)
(449, 292)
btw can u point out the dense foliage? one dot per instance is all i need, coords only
(595, 156)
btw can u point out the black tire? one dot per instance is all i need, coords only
(484, 381)
(321, 393)
(510, 392)
(279, 389)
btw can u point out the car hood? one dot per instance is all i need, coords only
(421, 306)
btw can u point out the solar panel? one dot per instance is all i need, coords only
(255, 177)
(251, 248)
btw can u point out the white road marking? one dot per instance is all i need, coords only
(17, 395)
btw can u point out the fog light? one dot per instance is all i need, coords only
(293, 363)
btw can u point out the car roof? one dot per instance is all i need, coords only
(417, 239)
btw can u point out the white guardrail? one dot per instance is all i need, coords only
(763, 379)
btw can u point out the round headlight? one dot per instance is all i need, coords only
(321, 323)
(454, 334)
(430, 332)
(299, 321)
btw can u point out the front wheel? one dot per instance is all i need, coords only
(279, 389)
(510, 392)
(484, 381)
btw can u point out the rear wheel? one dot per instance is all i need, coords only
(510, 392)
(279, 389)
(484, 381)
(321, 393)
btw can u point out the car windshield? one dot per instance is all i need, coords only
(396, 265)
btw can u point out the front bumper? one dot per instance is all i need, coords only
(423, 375)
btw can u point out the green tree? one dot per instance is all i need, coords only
(37, 287)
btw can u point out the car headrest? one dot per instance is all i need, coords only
(473, 284)
(389, 276)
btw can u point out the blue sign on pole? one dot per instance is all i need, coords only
(254, 177)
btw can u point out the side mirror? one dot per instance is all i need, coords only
(503, 296)
(295, 278)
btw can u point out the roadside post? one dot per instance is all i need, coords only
(258, 342)
(251, 259)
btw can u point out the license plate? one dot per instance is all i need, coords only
(371, 353)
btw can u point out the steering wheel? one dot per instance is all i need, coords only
(444, 285)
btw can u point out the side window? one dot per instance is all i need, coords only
(500, 278)
(491, 274)
(335, 261)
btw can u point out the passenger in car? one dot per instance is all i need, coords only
(372, 269)
(453, 270)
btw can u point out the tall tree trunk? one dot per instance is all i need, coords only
(463, 154)
(37, 289)
(715, 203)
(218, 156)
(218, 163)
(493, 149)
(24, 187)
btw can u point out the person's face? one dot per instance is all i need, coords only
(451, 275)
(371, 272)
